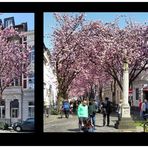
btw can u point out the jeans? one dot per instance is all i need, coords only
(93, 119)
(66, 111)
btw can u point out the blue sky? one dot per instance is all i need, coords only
(49, 21)
(20, 18)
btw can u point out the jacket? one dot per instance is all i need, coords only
(92, 109)
(82, 111)
(107, 107)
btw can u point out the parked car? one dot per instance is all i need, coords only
(27, 125)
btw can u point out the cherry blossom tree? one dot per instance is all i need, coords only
(113, 45)
(68, 51)
(13, 57)
(91, 80)
(90, 54)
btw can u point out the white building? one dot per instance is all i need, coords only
(50, 82)
(19, 97)
(140, 88)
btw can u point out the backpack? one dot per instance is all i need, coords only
(66, 105)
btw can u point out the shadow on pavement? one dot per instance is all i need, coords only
(111, 126)
(99, 125)
(74, 130)
(114, 114)
(60, 117)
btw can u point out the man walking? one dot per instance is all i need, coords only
(106, 110)
(92, 108)
(66, 108)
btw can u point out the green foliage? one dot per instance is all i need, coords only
(54, 111)
(3, 125)
(139, 123)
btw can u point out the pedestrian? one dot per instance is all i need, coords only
(92, 112)
(71, 107)
(119, 109)
(66, 108)
(75, 107)
(130, 101)
(140, 108)
(88, 127)
(82, 113)
(144, 108)
(106, 111)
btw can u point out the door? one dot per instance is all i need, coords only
(14, 114)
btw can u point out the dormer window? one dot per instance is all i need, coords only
(9, 22)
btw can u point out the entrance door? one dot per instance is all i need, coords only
(14, 111)
(14, 114)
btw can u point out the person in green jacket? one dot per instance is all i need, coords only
(92, 108)
(82, 113)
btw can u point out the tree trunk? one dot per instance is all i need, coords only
(61, 96)
(100, 94)
(59, 102)
(1, 100)
(114, 92)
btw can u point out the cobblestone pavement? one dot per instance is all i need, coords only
(56, 124)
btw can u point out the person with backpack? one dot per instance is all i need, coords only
(106, 111)
(66, 108)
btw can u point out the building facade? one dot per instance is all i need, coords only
(50, 83)
(138, 91)
(18, 104)
(140, 88)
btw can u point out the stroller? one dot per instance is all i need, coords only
(87, 125)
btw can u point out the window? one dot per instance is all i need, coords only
(25, 83)
(14, 112)
(30, 109)
(16, 82)
(137, 93)
(31, 56)
(28, 82)
(31, 81)
(9, 22)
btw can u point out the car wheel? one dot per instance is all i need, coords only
(18, 129)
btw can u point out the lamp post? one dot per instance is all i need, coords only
(126, 121)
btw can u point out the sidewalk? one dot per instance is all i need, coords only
(54, 122)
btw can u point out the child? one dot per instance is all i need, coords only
(88, 126)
